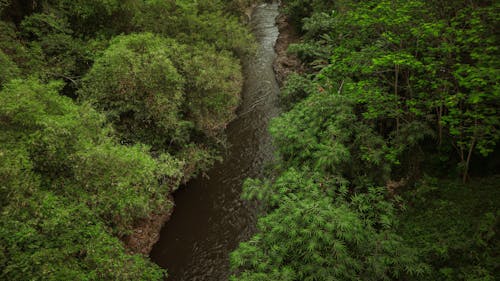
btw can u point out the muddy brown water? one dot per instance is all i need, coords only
(210, 219)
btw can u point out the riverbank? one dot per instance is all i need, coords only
(285, 62)
(147, 232)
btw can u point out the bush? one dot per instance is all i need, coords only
(138, 88)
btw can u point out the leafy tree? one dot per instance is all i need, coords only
(75, 180)
(15, 53)
(326, 221)
(163, 93)
(295, 89)
(67, 187)
(50, 238)
(194, 22)
(139, 89)
(454, 226)
(404, 78)
(392, 89)
(212, 89)
(472, 118)
(311, 235)
(58, 54)
(8, 69)
(321, 133)
(121, 184)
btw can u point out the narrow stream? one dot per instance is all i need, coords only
(210, 219)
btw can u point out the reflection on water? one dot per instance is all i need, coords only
(209, 218)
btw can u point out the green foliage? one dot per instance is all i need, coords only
(295, 89)
(76, 178)
(3, 5)
(35, 114)
(298, 10)
(312, 233)
(194, 22)
(16, 174)
(70, 187)
(50, 238)
(213, 85)
(162, 93)
(59, 55)
(441, 74)
(14, 51)
(305, 137)
(455, 228)
(71, 151)
(324, 218)
(240, 6)
(139, 89)
(95, 16)
(321, 133)
(8, 69)
(107, 172)
(87, 9)
(392, 90)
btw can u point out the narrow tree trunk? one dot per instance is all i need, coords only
(467, 162)
(469, 155)
(440, 126)
(396, 78)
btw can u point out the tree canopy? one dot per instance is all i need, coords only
(387, 164)
(106, 107)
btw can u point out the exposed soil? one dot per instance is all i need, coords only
(285, 62)
(146, 233)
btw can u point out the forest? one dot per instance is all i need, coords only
(387, 153)
(387, 161)
(106, 106)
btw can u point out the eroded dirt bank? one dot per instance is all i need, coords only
(285, 62)
(147, 232)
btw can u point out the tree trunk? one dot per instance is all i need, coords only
(396, 78)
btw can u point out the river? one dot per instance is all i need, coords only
(210, 219)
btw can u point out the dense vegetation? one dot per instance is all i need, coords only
(105, 107)
(387, 155)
